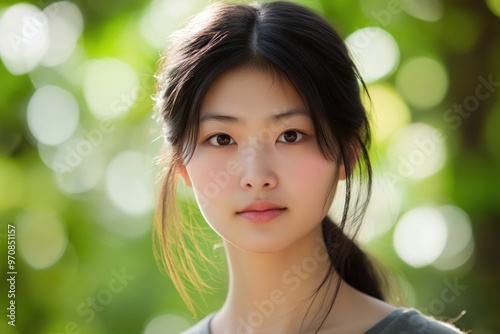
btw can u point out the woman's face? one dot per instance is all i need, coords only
(257, 173)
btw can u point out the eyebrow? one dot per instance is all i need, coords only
(273, 118)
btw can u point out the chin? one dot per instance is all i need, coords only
(260, 245)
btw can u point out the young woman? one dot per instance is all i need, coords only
(262, 118)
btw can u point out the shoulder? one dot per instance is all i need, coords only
(202, 327)
(411, 321)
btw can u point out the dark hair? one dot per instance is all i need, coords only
(300, 45)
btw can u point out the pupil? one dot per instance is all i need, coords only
(290, 136)
(223, 139)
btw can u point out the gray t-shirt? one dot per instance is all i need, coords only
(399, 321)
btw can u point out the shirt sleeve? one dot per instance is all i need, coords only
(411, 321)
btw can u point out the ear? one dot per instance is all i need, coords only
(185, 175)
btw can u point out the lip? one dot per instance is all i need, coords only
(261, 211)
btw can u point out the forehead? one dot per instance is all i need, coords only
(249, 92)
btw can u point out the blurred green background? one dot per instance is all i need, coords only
(78, 142)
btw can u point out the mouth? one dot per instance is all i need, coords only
(261, 212)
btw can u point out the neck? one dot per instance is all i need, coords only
(272, 292)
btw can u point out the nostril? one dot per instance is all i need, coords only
(258, 183)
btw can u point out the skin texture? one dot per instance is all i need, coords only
(246, 155)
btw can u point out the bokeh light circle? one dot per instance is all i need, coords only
(426, 10)
(110, 87)
(420, 236)
(382, 211)
(127, 183)
(24, 37)
(53, 115)
(390, 111)
(494, 6)
(78, 165)
(460, 243)
(65, 25)
(41, 239)
(375, 52)
(423, 82)
(166, 324)
(161, 18)
(416, 151)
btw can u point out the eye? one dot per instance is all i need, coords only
(291, 136)
(221, 140)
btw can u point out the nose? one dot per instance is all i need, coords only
(258, 174)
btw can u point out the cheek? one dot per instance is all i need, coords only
(310, 171)
(311, 180)
(209, 175)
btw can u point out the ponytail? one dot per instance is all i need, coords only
(350, 262)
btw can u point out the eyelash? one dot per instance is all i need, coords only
(300, 136)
